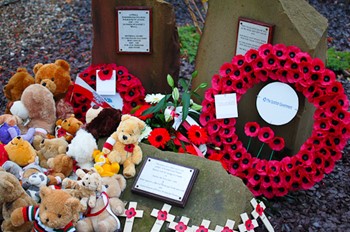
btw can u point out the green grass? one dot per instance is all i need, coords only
(189, 40)
(338, 60)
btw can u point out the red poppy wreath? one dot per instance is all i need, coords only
(318, 154)
(128, 86)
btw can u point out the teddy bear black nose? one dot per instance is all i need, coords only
(18, 137)
(47, 220)
(67, 149)
(44, 84)
(125, 137)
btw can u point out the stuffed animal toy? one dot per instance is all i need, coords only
(122, 146)
(87, 188)
(60, 167)
(103, 166)
(92, 113)
(33, 183)
(16, 85)
(18, 109)
(63, 109)
(108, 206)
(81, 149)
(22, 173)
(54, 76)
(12, 196)
(67, 128)
(11, 120)
(40, 105)
(58, 211)
(20, 151)
(105, 122)
(7, 133)
(50, 148)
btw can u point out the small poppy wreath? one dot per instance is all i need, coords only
(128, 86)
(317, 156)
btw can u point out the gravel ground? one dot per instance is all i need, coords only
(31, 33)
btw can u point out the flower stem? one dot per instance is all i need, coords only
(250, 140)
(271, 154)
(260, 150)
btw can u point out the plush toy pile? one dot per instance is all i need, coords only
(50, 161)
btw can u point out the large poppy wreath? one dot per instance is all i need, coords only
(320, 151)
(128, 86)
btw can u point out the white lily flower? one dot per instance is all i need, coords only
(154, 98)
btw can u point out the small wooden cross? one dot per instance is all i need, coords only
(204, 227)
(130, 215)
(228, 227)
(180, 226)
(162, 216)
(259, 212)
(248, 224)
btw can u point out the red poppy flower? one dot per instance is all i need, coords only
(121, 70)
(254, 178)
(280, 51)
(235, 168)
(270, 62)
(264, 50)
(251, 129)
(190, 150)
(334, 88)
(227, 84)
(302, 57)
(105, 74)
(329, 165)
(227, 132)
(318, 65)
(273, 168)
(216, 82)
(228, 140)
(277, 143)
(130, 213)
(216, 155)
(226, 229)
(202, 229)
(292, 51)
(265, 134)
(258, 64)
(226, 70)
(209, 95)
(251, 55)
(162, 215)
(205, 118)
(240, 86)
(238, 60)
(328, 77)
(180, 227)
(197, 135)
(306, 180)
(249, 225)
(159, 137)
(261, 75)
(213, 127)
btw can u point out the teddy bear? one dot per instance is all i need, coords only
(106, 220)
(87, 188)
(81, 149)
(104, 123)
(55, 76)
(49, 148)
(68, 127)
(20, 151)
(16, 85)
(57, 211)
(11, 120)
(60, 167)
(33, 183)
(39, 104)
(103, 166)
(12, 196)
(122, 146)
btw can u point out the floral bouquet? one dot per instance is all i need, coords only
(172, 119)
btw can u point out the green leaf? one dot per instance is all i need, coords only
(170, 80)
(161, 105)
(184, 84)
(186, 97)
(195, 74)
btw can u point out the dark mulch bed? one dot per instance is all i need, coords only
(31, 33)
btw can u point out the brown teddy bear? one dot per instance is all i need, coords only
(39, 105)
(86, 189)
(60, 167)
(106, 219)
(50, 148)
(68, 127)
(54, 76)
(105, 123)
(12, 196)
(58, 211)
(20, 151)
(123, 145)
(16, 85)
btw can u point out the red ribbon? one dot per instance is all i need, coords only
(184, 139)
(89, 214)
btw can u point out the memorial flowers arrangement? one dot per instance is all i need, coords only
(172, 119)
(128, 86)
(318, 154)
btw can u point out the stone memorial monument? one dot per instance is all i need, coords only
(142, 37)
(294, 23)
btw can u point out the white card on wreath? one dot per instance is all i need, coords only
(226, 105)
(114, 101)
(106, 87)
